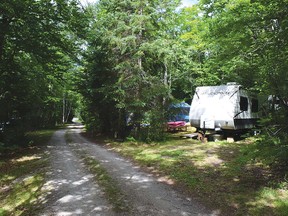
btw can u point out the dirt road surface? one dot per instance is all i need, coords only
(73, 191)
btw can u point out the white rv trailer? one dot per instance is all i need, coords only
(225, 107)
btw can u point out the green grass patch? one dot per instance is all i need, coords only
(20, 166)
(273, 200)
(22, 172)
(22, 197)
(39, 137)
(233, 177)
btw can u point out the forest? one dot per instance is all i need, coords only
(104, 61)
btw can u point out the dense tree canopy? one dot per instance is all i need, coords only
(131, 59)
(142, 55)
(37, 46)
(247, 43)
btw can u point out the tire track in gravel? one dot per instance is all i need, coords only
(71, 188)
(145, 194)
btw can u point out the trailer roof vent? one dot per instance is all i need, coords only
(232, 83)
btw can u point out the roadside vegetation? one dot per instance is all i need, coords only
(22, 172)
(237, 178)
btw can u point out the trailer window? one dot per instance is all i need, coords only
(254, 107)
(243, 103)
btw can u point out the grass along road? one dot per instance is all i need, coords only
(22, 175)
(228, 176)
(83, 178)
(144, 194)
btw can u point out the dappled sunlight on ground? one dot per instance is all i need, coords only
(147, 194)
(166, 180)
(209, 161)
(272, 197)
(22, 193)
(26, 158)
(224, 174)
(70, 190)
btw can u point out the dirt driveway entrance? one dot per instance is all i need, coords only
(73, 191)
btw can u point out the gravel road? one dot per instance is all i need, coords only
(72, 190)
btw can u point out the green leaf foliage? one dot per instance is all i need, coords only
(37, 47)
(130, 63)
(247, 43)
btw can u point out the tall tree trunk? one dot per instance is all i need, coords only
(63, 111)
(142, 73)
